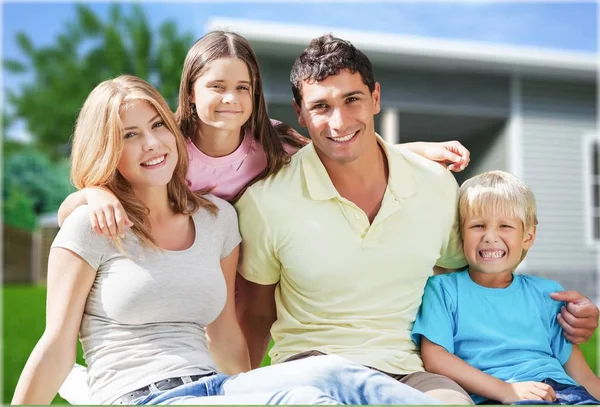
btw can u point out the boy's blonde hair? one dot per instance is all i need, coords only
(497, 191)
(98, 144)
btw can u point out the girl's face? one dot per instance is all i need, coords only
(223, 94)
(149, 154)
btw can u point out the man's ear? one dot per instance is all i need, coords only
(376, 95)
(298, 111)
(529, 237)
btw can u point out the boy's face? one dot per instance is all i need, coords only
(494, 243)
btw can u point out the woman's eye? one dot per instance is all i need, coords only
(128, 135)
(158, 124)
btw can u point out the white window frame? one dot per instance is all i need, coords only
(590, 212)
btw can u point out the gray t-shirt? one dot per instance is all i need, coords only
(145, 314)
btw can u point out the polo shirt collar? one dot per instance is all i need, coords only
(401, 182)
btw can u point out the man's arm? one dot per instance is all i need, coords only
(579, 319)
(257, 315)
(578, 369)
(438, 360)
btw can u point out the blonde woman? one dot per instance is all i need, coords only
(155, 310)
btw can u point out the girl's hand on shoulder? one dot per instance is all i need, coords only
(107, 216)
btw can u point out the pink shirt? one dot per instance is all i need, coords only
(228, 175)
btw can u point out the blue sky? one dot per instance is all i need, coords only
(560, 25)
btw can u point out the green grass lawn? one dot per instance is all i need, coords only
(24, 314)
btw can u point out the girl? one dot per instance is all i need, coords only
(230, 139)
(150, 307)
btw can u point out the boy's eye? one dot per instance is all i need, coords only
(506, 226)
(476, 226)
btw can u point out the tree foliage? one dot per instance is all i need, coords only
(88, 51)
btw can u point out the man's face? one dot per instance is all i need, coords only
(339, 115)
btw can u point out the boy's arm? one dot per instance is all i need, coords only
(578, 369)
(438, 360)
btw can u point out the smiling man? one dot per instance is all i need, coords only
(338, 246)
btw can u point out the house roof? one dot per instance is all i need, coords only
(400, 50)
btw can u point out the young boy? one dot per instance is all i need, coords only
(493, 332)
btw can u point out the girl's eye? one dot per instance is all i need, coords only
(243, 87)
(215, 86)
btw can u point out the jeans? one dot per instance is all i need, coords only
(315, 380)
(565, 394)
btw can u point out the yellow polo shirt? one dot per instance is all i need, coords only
(345, 286)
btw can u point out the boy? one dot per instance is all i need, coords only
(493, 332)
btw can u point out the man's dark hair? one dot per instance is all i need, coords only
(326, 56)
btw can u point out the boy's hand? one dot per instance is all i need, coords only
(528, 391)
(579, 319)
(107, 215)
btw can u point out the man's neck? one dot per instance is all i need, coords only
(369, 169)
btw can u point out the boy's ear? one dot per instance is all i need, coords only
(298, 110)
(529, 237)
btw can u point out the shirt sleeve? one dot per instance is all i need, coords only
(435, 319)
(77, 235)
(259, 262)
(561, 347)
(452, 255)
(232, 231)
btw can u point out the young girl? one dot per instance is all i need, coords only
(230, 139)
(150, 307)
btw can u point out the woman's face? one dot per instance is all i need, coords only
(149, 154)
(223, 94)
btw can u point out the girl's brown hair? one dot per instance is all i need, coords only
(98, 145)
(225, 44)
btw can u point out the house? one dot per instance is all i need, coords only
(529, 111)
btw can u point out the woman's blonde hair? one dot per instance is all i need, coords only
(98, 145)
(497, 192)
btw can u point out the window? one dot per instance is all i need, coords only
(593, 187)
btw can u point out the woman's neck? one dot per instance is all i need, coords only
(217, 142)
(157, 202)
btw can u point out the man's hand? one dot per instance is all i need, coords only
(579, 319)
(528, 391)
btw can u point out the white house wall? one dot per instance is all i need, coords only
(555, 118)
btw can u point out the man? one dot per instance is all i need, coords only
(338, 245)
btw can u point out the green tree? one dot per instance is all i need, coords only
(88, 51)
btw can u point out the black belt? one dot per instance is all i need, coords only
(162, 385)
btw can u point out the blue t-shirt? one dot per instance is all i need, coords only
(510, 333)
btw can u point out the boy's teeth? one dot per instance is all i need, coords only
(343, 139)
(496, 254)
(155, 161)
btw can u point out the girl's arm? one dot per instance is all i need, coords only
(437, 360)
(107, 216)
(451, 154)
(225, 338)
(578, 369)
(70, 279)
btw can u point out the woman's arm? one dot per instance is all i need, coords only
(578, 369)
(70, 279)
(437, 360)
(225, 338)
(451, 154)
(107, 216)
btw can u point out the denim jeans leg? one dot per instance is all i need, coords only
(338, 378)
(303, 395)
